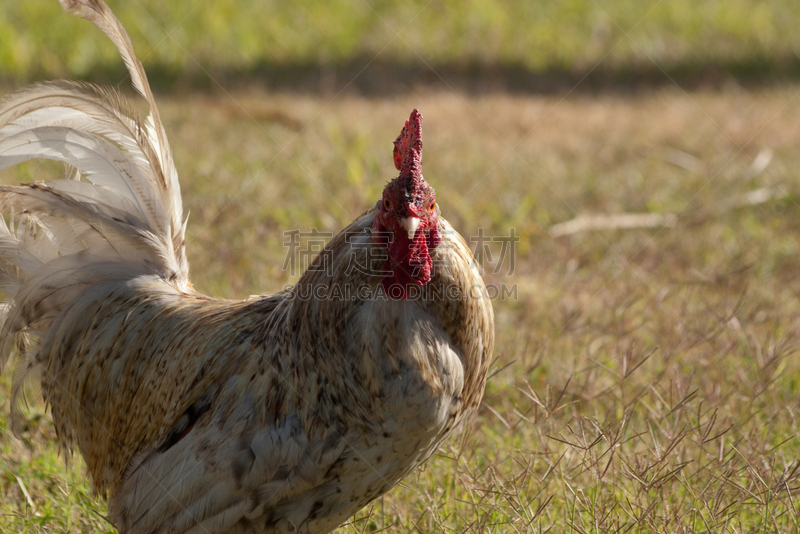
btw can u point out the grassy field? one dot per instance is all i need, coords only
(645, 379)
(285, 42)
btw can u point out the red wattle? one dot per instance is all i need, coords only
(409, 261)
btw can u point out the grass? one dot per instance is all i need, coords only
(644, 380)
(180, 42)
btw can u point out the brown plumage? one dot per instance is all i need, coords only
(283, 413)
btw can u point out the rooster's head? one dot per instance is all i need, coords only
(408, 220)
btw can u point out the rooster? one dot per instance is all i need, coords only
(282, 413)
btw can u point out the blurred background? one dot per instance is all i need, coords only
(645, 153)
(545, 45)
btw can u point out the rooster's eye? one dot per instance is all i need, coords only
(387, 204)
(433, 205)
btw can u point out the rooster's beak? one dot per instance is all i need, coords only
(411, 224)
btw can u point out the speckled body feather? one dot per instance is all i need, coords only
(281, 413)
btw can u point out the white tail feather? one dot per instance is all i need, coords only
(98, 13)
(59, 238)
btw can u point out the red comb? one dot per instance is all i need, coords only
(408, 149)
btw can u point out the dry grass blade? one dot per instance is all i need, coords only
(617, 221)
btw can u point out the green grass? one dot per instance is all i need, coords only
(645, 380)
(182, 40)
